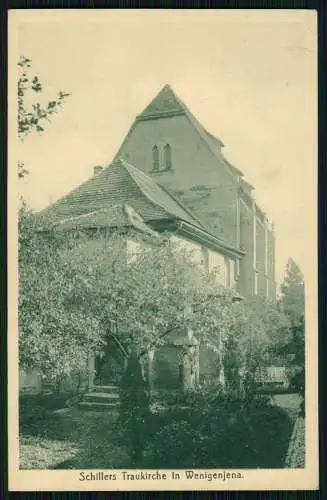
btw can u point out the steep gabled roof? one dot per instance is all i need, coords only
(123, 196)
(160, 196)
(117, 184)
(167, 104)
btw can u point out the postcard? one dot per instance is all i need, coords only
(162, 250)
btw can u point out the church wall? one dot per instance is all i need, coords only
(261, 254)
(208, 363)
(196, 177)
(207, 189)
(257, 268)
(167, 363)
(224, 267)
(192, 249)
(218, 264)
(246, 282)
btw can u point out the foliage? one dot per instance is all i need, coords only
(292, 289)
(134, 405)
(73, 284)
(55, 335)
(253, 331)
(161, 290)
(146, 296)
(219, 432)
(32, 117)
(275, 323)
(292, 303)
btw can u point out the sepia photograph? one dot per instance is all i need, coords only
(162, 249)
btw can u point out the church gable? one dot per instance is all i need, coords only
(193, 174)
(169, 144)
(168, 104)
(163, 105)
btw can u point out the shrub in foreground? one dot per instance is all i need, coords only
(134, 407)
(225, 433)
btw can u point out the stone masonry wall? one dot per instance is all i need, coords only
(196, 177)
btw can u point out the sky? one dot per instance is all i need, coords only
(248, 76)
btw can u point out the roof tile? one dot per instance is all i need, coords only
(117, 184)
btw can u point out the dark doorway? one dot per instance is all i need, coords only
(109, 367)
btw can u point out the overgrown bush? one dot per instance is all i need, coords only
(36, 411)
(134, 407)
(218, 431)
(297, 381)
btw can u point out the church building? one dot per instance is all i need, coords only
(170, 176)
(168, 143)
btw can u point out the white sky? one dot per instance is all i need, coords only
(248, 76)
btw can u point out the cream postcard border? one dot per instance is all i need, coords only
(46, 480)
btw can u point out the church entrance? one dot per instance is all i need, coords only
(108, 370)
(109, 366)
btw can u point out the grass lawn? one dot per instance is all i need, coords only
(289, 402)
(55, 437)
(68, 438)
(37, 452)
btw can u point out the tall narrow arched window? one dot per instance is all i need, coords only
(167, 157)
(155, 158)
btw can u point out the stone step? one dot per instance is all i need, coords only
(101, 397)
(104, 397)
(105, 388)
(84, 405)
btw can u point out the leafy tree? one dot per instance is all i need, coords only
(68, 294)
(41, 316)
(54, 336)
(73, 284)
(276, 324)
(292, 289)
(292, 303)
(149, 296)
(32, 117)
(134, 405)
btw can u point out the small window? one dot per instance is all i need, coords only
(155, 158)
(167, 157)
